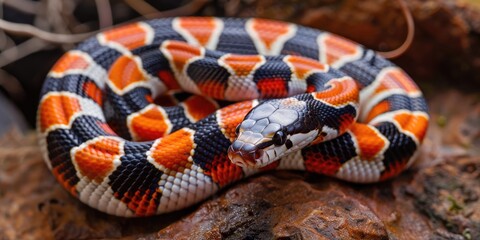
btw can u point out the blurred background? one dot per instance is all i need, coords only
(445, 52)
(438, 199)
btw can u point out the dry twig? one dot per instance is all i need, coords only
(104, 11)
(149, 12)
(410, 34)
(141, 7)
(12, 86)
(21, 50)
(29, 30)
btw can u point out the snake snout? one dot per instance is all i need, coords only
(244, 154)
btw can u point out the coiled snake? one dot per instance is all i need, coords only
(139, 120)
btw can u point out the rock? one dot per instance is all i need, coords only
(282, 206)
(447, 194)
(438, 198)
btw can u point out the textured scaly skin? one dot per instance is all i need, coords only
(108, 141)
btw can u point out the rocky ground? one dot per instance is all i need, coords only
(438, 198)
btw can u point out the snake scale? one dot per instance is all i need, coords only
(155, 116)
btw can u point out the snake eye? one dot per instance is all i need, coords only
(279, 138)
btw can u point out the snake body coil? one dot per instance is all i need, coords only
(135, 122)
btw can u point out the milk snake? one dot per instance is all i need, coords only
(139, 120)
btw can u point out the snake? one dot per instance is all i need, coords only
(158, 115)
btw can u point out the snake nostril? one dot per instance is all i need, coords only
(258, 154)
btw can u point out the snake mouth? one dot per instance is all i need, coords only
(243, 158)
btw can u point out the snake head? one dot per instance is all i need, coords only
(272, 130)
